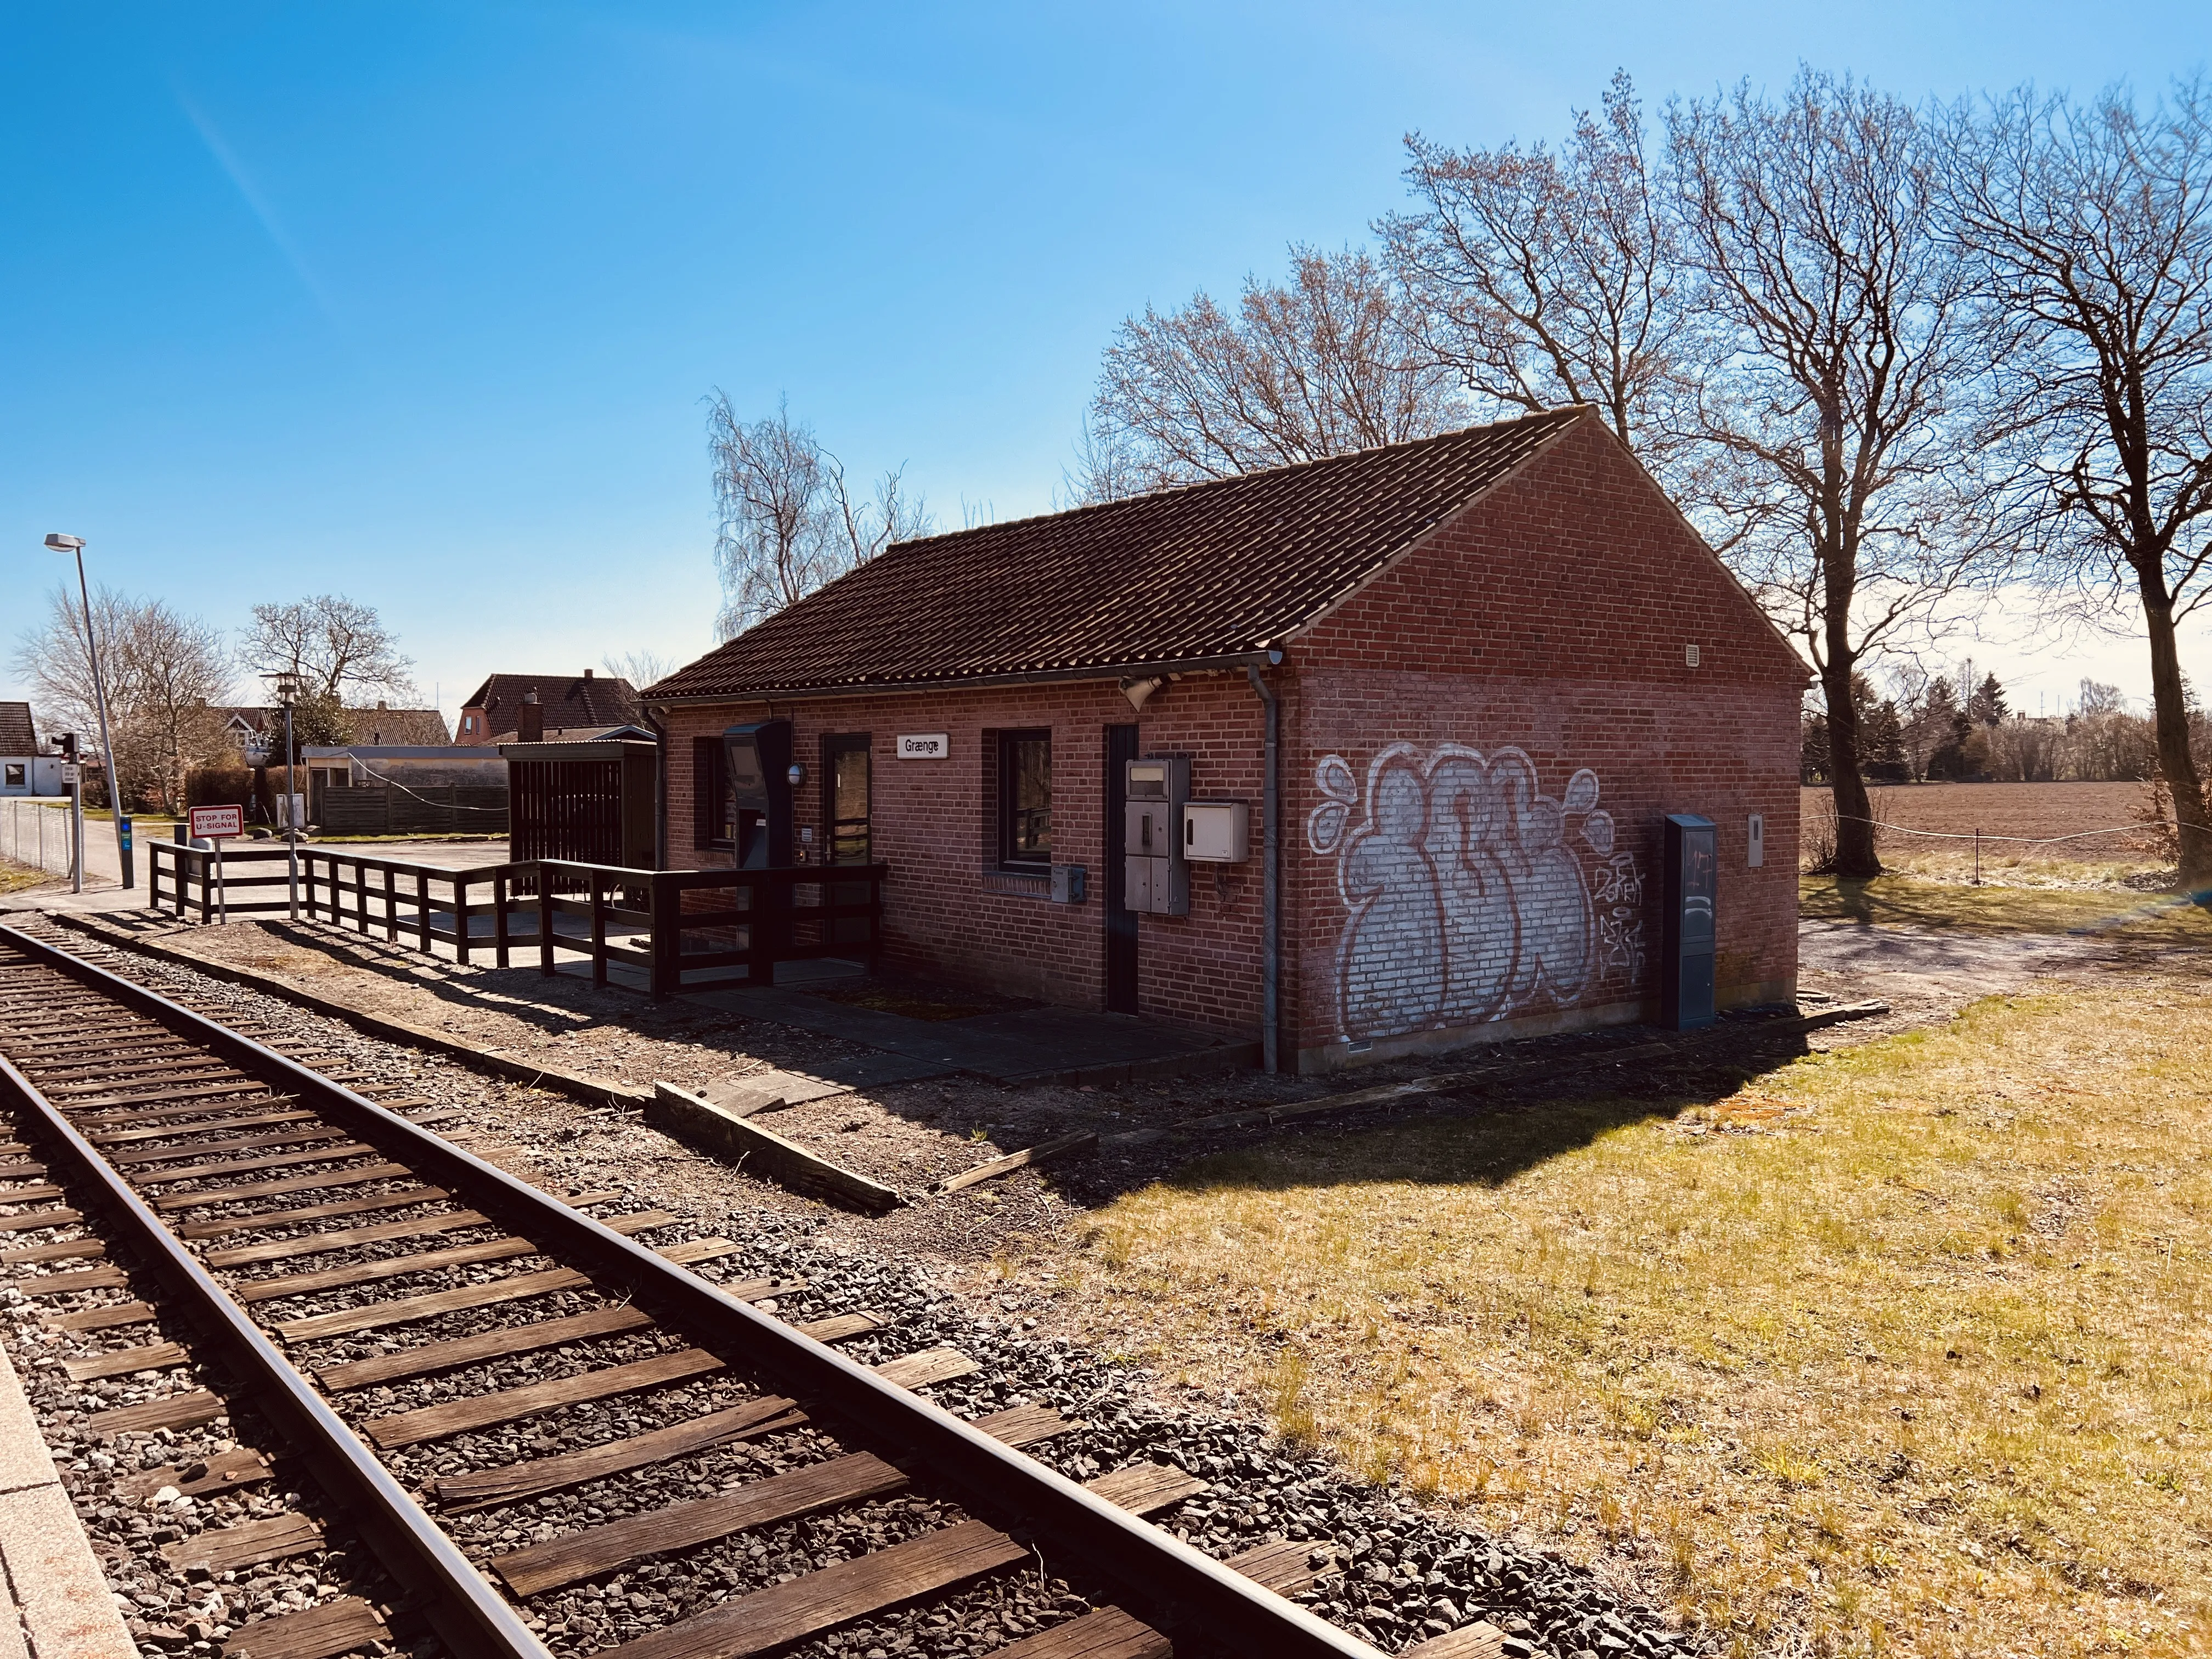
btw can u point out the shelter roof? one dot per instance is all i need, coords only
(1207, 572)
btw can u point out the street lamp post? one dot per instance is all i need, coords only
(75, 544)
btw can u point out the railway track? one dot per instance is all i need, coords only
(239, 1235)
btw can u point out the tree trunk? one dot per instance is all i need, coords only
(2179, 766)
(1854, 854)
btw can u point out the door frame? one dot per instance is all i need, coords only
(1120, 921)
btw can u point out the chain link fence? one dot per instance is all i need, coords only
(34, 833)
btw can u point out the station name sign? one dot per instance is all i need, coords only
(924, 745)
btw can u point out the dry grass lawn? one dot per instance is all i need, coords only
(14, 878)
(1901, 900)
(1898, 1349)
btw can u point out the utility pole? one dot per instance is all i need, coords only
(288, 693)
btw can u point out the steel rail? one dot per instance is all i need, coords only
(468, 1614)
(1165, 1580)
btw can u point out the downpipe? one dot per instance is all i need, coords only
(1271, 936)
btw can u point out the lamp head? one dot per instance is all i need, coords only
(62, 543)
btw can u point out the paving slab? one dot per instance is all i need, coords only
(1023, 1045)
(60, 1606)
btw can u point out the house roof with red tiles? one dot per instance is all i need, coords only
(1208, 574)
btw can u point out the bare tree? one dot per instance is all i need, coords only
(640, 668)
(1542, 278)
(787, 522)
(54, 659)
(2090, 228)
(170, 669)
(1321, 365)
(1824, 402)
(335, 646)
(164, 670)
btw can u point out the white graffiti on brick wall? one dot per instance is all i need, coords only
(1466, 898)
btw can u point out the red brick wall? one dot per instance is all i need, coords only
(945, 911)
(1550, 620)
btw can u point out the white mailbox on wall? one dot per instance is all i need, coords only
(1217, 831)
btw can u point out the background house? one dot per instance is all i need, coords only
(568, 708)
(1496, 660)
(23, 769)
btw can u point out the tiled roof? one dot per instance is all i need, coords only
(17, 735)
(399, 727)
(571, 700)
(1207, 571)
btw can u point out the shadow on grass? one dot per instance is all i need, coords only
(1903, 901)
(1485, 1139)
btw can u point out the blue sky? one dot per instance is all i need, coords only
(419, 303)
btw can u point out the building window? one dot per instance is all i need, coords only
(710, 778)
(14, 775)
(1025, 797)
(468, 722)
(845, 796)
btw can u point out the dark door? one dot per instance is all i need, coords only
(845, 812)
(1121, 919)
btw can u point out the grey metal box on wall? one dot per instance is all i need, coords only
(1217, 831)
(1157, 882)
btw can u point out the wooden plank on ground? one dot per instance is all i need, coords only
(22, 1171)
(42, 1193)
(696, 1120)
(838, 1327)
(105, 1277)
(450, 1417)
(316, 1632)
(178, 1411)
(102, 1319)
(1025, 1425)
(337, 1152)
(389, 1266)
(406, 1309)
(69, 1250)
(197, 1110)
(343, 1206)
(1285, 1567)
(37, 1219)
(474, 1349)
(122, 1362)
(930, 1366)
(1086, 1140)
(226, 1471)
(816, 1601)
(207, 1195)
(344, 1238)
(1480, 1640)
(251, 1120)
(303, 1135)
(247, 1545)
(580, 1555)
(1107, 1634)
(770, 1415)
(1146, 1488)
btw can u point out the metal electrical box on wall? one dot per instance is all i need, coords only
(1155, 878)
(1687, 935)
(1217, 831)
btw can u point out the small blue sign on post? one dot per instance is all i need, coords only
(123, 830)
(1686, 932)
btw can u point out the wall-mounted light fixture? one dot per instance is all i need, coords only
(796, 774)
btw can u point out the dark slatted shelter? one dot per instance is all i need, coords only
(590, 802)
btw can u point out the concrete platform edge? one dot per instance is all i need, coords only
(61, 1606)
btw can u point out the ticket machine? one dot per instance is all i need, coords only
(759, 757)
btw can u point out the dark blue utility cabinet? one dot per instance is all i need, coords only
(1686, 960)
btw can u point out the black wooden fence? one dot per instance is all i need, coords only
(428, 809)
(670, 926)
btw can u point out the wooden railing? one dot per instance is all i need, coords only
(644, 920)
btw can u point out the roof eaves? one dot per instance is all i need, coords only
(1264, 656)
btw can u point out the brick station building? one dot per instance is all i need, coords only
(1494, 660)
